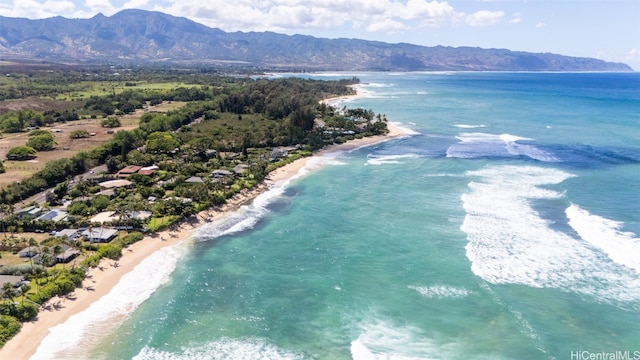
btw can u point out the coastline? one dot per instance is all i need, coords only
(102, 279)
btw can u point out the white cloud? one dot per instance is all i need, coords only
(33, 9)
(286, 16)
(484, 18)
(632, 58)
(516, 19)
(135, 4)
(388, 26)
(283, 15)
(100, 6)
(541, 25)
(59, 7)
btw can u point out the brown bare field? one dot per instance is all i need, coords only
(37, 105)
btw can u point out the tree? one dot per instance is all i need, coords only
(21, 153)
(79, 134)
(43, 142)
(7, 291)
(31, 243)
(162, 142)
(2, 169)
(6, 210)
(110, 122)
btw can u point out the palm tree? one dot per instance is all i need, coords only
(7, 291)
(38, 272)
(57, 250)
(31, 242)
(6, 210)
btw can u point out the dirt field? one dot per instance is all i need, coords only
(66, 147)
(37, 105)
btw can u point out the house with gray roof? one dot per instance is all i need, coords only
(99, 234)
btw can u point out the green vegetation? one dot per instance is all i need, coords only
(41, 140)
(230, 133)
(110, 122)
(21, 153)
(9, 327)
(79, 134)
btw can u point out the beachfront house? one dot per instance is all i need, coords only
(68, 253)
(99, 234)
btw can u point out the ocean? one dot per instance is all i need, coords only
(505, 225)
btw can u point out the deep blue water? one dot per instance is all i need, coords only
(506, 226)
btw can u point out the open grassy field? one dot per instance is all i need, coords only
(99, 88)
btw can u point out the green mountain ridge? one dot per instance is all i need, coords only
(148, 36)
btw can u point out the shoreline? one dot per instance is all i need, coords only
(102, 279)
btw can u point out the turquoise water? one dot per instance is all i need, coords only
(506, 226)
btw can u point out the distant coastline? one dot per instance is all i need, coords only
(103, 278)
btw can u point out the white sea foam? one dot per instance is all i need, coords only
(81, 332)
(441, 291)
(405, 129)
(605, 234)
(378, 85)
(223, 349)
(475, 145)
(380, 340)
(467, 126)
(389, 159)
(510, 243)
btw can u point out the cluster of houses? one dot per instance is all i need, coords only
(66, 253)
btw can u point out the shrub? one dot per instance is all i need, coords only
(9, 327)
(110, 122)
(111, 251)
(21, 153)
(134, 237)
(79, 134)
(42, 142)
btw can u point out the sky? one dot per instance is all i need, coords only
(602, 29)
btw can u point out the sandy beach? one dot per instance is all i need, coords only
(102, 279)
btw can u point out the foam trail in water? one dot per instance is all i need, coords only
(510, 243)
(388, 159)
(478, 145)
(621, 247)
(441, 291)
(379, 340)
(81, 332)
(223, 349)
(468, 126)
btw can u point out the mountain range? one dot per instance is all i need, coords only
(148, 36)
